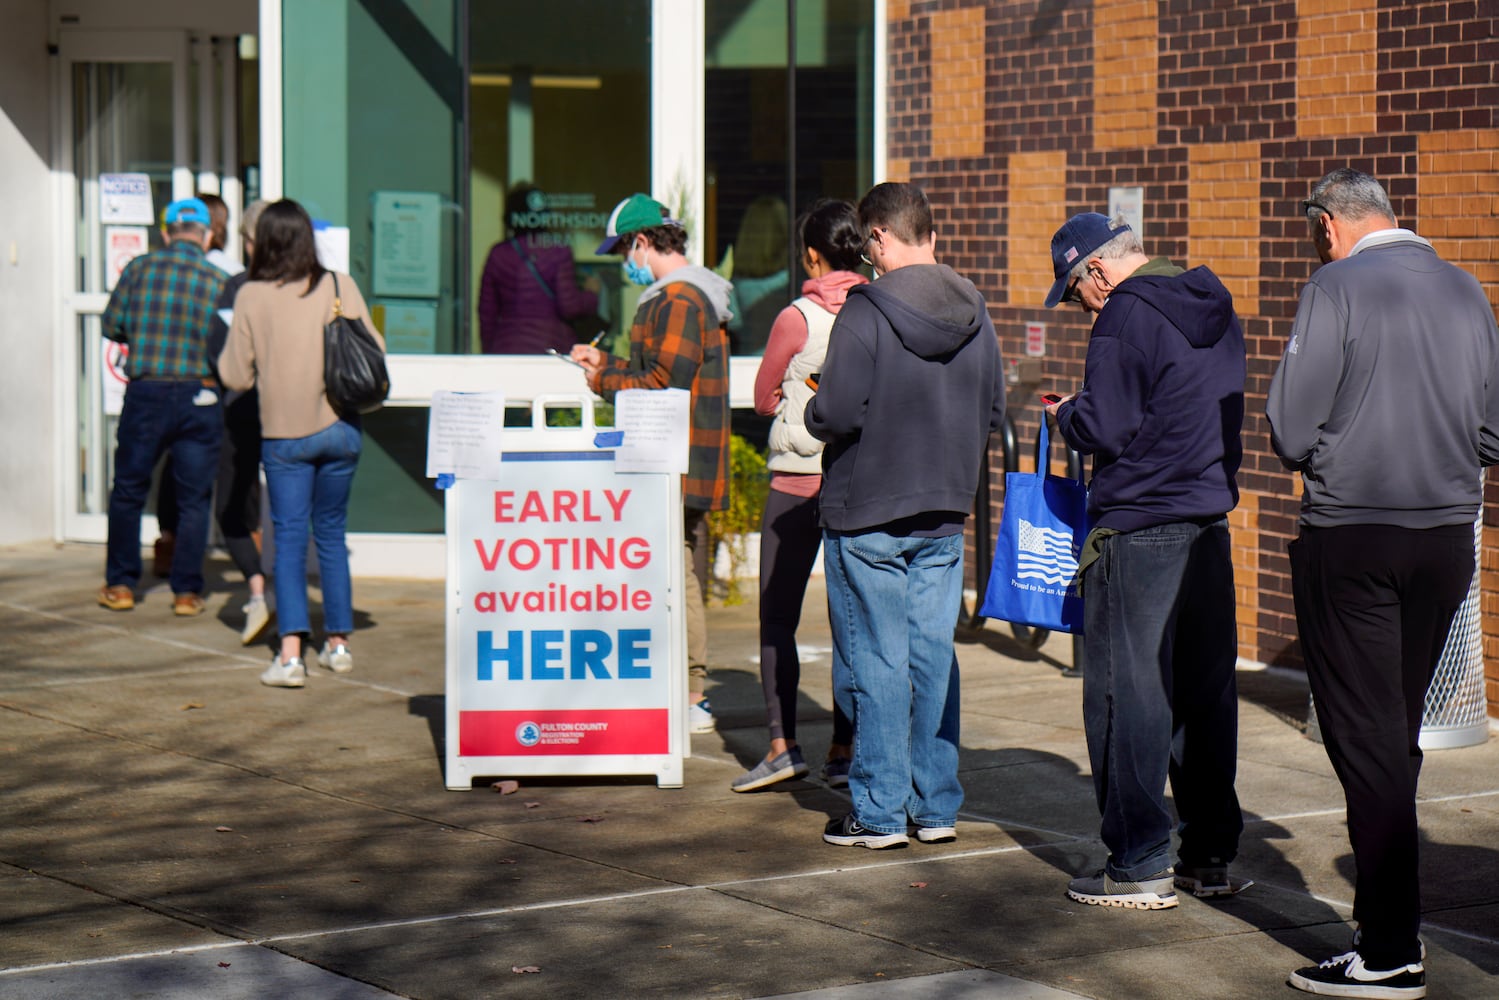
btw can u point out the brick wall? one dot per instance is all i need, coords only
(1224, 113)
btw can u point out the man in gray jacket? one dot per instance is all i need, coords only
(1385, 402)
(911, 387)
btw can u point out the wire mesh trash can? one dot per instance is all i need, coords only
(1456, 712)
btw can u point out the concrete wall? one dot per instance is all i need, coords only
(29, 473)
(1014, 116)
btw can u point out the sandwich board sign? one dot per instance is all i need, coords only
(566, 637)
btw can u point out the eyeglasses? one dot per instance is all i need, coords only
(1071, 294)
(1308, 206)
(863, 250)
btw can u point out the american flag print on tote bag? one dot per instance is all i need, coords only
(1034, 579)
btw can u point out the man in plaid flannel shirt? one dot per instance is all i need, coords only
(162, 307)
(677, 340)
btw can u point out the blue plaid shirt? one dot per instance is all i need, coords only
(162, 308)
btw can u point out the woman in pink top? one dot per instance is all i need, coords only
(789, 533)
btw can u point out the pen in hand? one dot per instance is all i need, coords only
(596, 338)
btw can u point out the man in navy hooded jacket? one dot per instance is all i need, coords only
(1160, 412)
(910, 390)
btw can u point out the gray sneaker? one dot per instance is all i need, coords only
(336, 658)
(1209, 881)
(291, 674)
(1155, 892)
(257, 617)
(782, 768)
(835, 771)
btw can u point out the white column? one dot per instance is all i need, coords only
(272, 177)
(677, 108)
(230, 188)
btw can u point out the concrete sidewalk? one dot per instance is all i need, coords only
(171, 828)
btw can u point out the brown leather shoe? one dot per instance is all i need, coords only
(187, 605)
(116, 598)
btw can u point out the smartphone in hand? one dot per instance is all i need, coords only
(1049, 398)
(813, 379)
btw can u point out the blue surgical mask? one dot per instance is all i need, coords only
(638, 273)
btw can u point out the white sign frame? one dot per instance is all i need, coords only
(575, 460)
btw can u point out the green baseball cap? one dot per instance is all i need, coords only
(637, 212)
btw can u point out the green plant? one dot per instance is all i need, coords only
(749, 482)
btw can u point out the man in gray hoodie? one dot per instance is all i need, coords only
(1385, 402)
(911, 387)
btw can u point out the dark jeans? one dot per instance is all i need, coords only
(237, 502)
(1374, 603)
(789, 539)
(183, 418)
(1159, 695)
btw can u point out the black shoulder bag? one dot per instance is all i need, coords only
(354, 374)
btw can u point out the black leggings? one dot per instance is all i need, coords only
(789, 537)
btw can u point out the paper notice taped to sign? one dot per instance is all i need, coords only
(656, 425)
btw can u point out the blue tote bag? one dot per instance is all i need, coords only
(1034, 580)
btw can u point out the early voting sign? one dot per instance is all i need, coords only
(565, 633)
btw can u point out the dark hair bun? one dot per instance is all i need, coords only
(831, 227)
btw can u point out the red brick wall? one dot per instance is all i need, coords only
(1224, 112)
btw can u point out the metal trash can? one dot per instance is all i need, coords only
(1456, 712)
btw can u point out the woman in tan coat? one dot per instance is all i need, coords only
(309, 451)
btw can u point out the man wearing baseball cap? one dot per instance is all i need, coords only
(1160, 411)
(678, 340)
(162, 308)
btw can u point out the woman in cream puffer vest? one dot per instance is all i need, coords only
(830, 241)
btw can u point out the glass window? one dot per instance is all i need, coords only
(769, 156)
(372, 131)
(560, 132)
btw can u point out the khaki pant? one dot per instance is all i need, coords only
(695, 537)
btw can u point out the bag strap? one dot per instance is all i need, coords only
(1043, 452)
(531, 266)
(338, 308)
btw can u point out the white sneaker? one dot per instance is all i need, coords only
(257, 617)
(291, 674)
(336, 658)
(700, 717)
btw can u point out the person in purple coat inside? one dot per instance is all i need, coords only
(529, 292)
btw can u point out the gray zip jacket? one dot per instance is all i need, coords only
(1387, 398)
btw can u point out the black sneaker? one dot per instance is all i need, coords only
(1347, 976)
(1210, 880)
(846, 832)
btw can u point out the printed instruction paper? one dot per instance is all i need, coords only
(656, 425)
(463, 434)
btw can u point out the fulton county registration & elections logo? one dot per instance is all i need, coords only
(528, 734)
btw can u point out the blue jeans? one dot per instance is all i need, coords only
(308, 479)
(893, 603)
(1159, 695)
(185, 418)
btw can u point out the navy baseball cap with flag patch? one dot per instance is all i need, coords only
(1079, 236)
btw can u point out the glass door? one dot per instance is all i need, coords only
(124, 127)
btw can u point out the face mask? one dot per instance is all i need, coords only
(638, 273)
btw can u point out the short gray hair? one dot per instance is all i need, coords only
(251, 217)
(1125, 243)
(1349, 194)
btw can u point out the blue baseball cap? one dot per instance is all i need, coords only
(186, 210)
(1079, 236)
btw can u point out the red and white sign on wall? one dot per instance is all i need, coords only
(565, 636)
(1035, 340)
